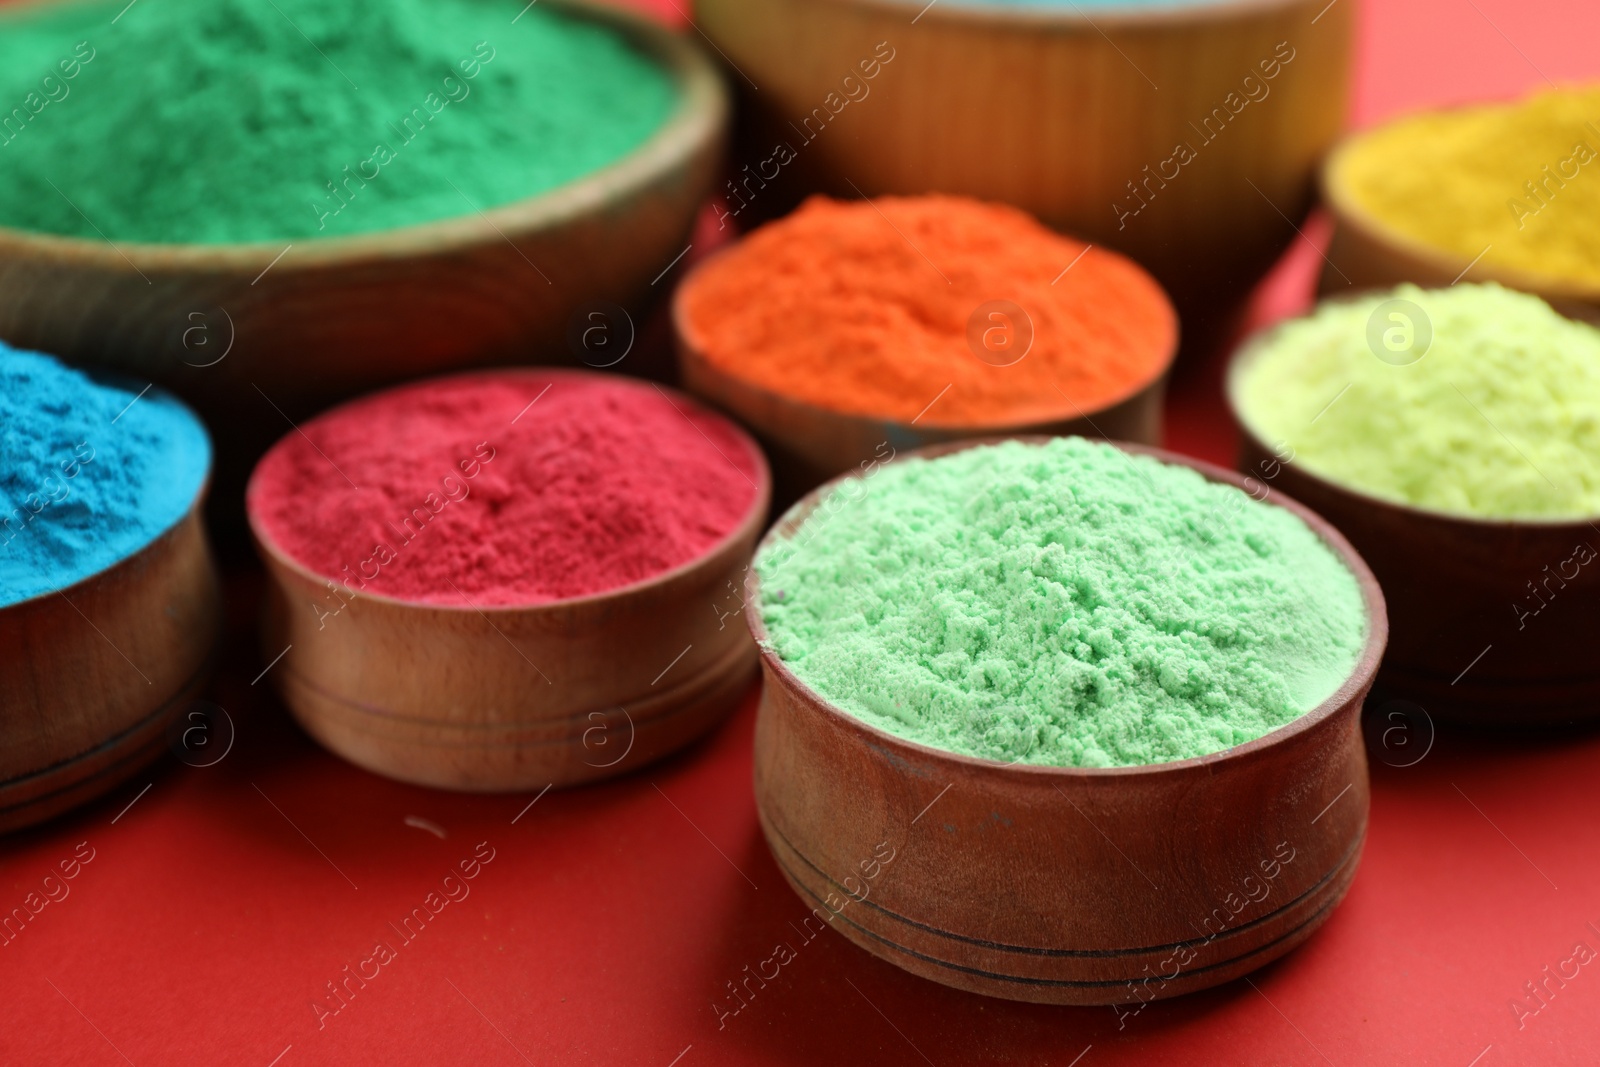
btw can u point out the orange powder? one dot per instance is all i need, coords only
(874, 308)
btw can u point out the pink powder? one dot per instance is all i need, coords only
(511, 487)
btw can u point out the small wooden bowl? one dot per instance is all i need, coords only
(502, 699)
(1457, 589)
(1053, 109)
(1064, 885)
(94, 674)
(1366, 253)
(808, 444)
(335, 317)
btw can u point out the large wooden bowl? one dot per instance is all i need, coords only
(1491, 621)
(1060, 885)
(92, 675)
(1056, 110)
(808, 444)
(337, 316)
(1367, 253)
(501, 699)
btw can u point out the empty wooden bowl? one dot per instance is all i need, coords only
(1367, 253)
(1154, 130)
(1062, 885)
(501, 699)
(224, 324)
(93, 674)
(1491, 621)
(808, 444)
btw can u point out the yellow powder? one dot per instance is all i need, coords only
(1522, 180)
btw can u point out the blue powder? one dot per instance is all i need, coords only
(86, 479)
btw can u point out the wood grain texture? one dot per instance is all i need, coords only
(1366, 253)
(1061, 885)
(337, 316)
(92, 675)
(514, 698)
(1512, 593)
(808, 445)
(1056, 112)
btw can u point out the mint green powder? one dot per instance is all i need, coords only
(1063, 604)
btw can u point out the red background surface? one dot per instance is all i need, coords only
(218, 905)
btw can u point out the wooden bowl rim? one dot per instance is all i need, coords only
(689, 347)
(1239, 364)
(105, 573)
(700, 111)
(1360, 677)
(747, 526)
(1346, 209)
(1171, 14)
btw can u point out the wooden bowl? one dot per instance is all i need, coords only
(1063, 885)
(1492, 621)
(339, 316)
(808, 444)
(1054, 110)
(502, 699)
(1367, 253)
(93, 674)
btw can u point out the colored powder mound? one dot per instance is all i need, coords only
(1520, 180)
(212, 121)
(1499, 418)
(90, 472)
(510, 488)
(1064, 604)
(866, 307)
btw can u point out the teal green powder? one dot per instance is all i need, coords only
(210, 121)
(91, 471)
(1064, 604)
